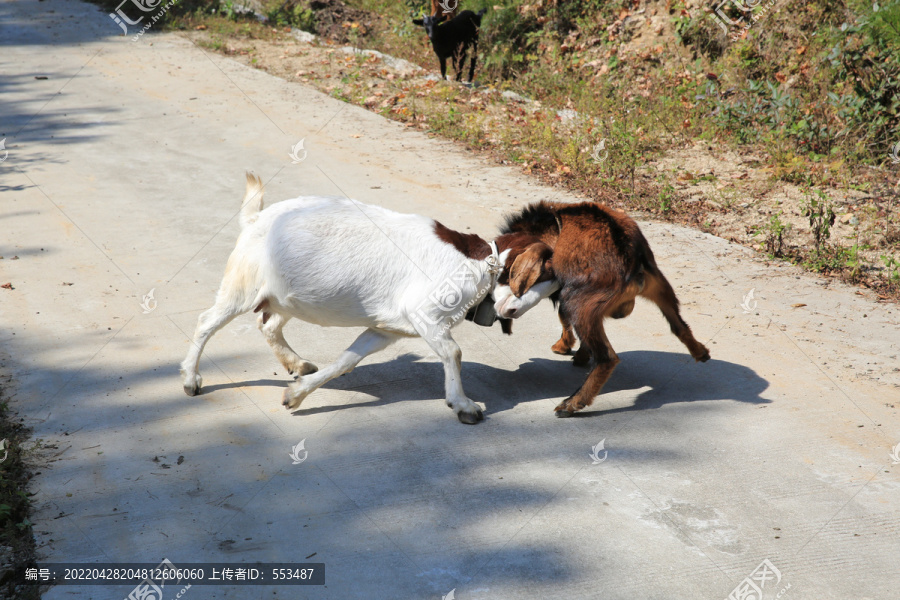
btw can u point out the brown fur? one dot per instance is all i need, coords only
(603, 262)
(468, 243)
(533, 265)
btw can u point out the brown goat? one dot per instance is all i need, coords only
(438, 10)
(602, 262)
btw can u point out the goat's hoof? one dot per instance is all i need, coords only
(560, 348)
(289, 401)
(192, 385)
(300, 368)
(702, 356)
(470, 418)
(566, 409)
(294, 395)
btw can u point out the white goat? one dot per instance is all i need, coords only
(341, 263)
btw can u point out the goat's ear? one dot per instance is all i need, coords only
(418, 22)
(534, 265)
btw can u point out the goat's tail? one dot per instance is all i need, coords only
(253, 200)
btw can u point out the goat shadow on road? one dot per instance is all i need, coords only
(672, 378)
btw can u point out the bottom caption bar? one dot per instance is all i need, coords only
(152, 577)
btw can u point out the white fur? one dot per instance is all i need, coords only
(507, 306)
(341, 263)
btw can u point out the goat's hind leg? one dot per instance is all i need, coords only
(474, 57)
(369, 342)
(271, 324)
(658, 289)
(567, 341)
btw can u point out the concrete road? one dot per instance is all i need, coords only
(124, 176)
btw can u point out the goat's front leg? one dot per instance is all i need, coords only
(271, 324)
(210, 321)
(605, 359)
(369, 342)
(448, 351)
(443, 60)
(460, 59)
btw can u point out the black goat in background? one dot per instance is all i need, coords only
(453, 38)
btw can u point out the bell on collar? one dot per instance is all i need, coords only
(483, 314)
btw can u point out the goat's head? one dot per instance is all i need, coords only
(429, 22)
(526, 279)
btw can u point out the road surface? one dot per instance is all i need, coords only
(124, 177)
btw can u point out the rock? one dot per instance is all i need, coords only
(303, 36)
(514, 96)
(398, 64)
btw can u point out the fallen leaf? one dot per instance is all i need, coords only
(781, 77)
(801, 50)
(798, 305)
(7, 286)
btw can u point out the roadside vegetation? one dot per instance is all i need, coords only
(773, 127)
(17, 549)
